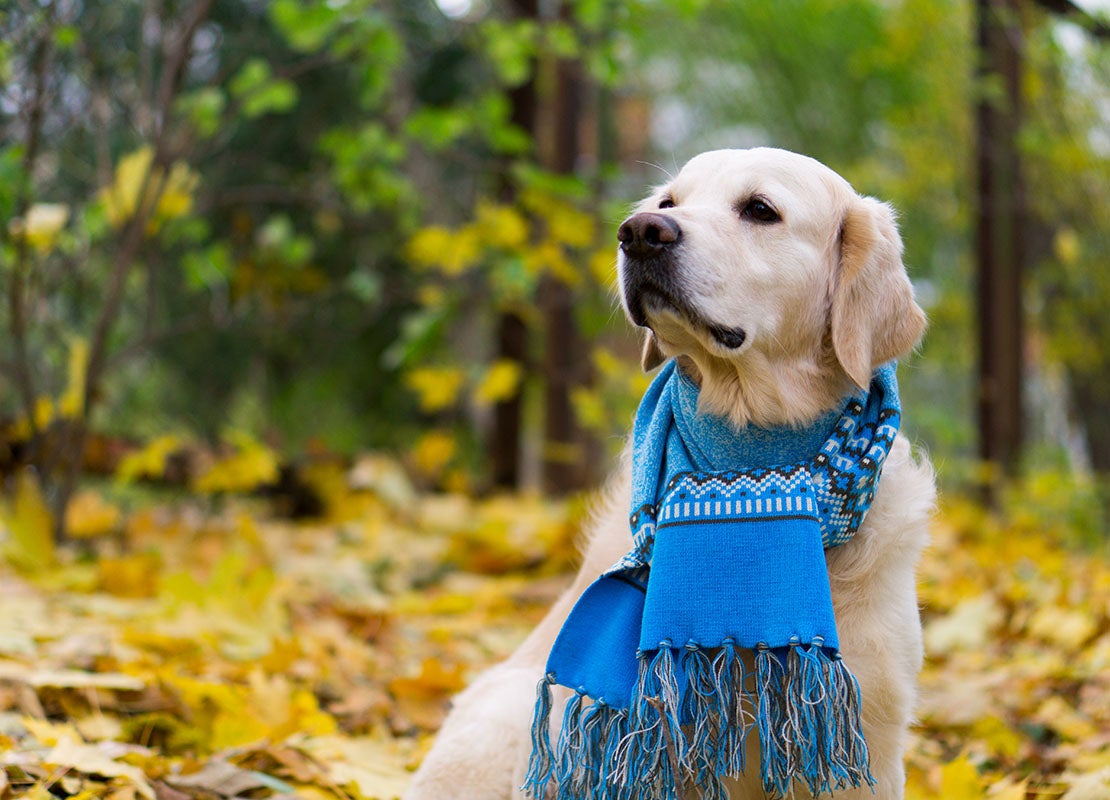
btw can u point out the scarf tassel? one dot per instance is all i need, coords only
(688, 725)
(809, 721)
(542, 761)
(573, 764)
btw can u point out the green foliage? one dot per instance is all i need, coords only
(259, 92)
(336, 196)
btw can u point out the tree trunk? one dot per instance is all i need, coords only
(512, 333)
(566, 465)
(1000, 225)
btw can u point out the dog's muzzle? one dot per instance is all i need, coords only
(650, 244)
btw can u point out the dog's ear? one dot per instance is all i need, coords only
(874, 315)
(651, 356)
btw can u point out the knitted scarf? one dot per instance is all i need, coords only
(719, 621)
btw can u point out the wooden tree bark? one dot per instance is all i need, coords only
(566, 464)
(1000, 225)
(512, 332)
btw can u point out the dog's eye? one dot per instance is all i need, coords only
(759, 210)
(666, 202)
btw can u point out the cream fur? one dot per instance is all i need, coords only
(805, 290)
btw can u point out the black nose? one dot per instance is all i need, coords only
(647, 234)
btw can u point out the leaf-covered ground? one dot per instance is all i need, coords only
(206, 650)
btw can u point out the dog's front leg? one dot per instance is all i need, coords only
(481, 753)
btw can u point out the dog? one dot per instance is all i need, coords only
(778, 289)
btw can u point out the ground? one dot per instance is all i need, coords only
(207, 647)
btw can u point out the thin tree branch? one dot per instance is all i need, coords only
(136, 228)
(130, 245)
(17, 293)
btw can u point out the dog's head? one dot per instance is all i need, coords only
(778, 285)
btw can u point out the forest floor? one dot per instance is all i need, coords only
(200, 648)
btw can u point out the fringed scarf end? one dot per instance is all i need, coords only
(810, 726)
(541, 763)
(688, 723)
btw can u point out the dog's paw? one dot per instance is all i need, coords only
(482, 749)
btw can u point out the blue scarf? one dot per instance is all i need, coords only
(729, 528)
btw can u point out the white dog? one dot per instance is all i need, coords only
(785, 290)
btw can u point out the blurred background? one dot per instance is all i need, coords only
(340, 226)
(310, 357)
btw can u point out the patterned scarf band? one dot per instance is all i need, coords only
(718, 623)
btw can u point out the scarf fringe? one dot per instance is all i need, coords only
(688, 724)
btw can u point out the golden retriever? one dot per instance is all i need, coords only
(784, 290)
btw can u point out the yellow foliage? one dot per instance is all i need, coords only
(501, 227)
(1066, 246)
(452, 252)
(129, 576)
(95, 759)
(427, 246)
(549, 256)
(436, 388)
(69, 403)
(955, 780)
(28, 541)
(566, 225)
(589, 408)
(501, 381)
(271, 646)
(1068, 628)
(135, 173)
(41, 225)
(150, 461)
(433, 452)
(603, 267)
(266, 708)
(73, 398)
(251, 465)
(89, 515)
(999, 737)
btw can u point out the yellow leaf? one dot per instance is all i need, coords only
(150, 461)
(371, 767)
(1009, 789)
(589, 408)
(28, 527)
(436, 388)
(93, 759)
(251, 465)
(464, 252)
(41, 225)
(959, 780)
(501, 381)
(1065, 627)
(133, 575)
(452, 252)
(89, 515)
(565, 223)
(999, 737)
(1067, 246)
(433, 452)
(549, 256)
(1056, 713)
(427, 246)
(603, 266)
(73, 398)
(1095, 786)
(49, 733)
(121, 199)
(176, 199)
(967, 627)
(501, 226)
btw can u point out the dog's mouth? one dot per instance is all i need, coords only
(645, 297)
